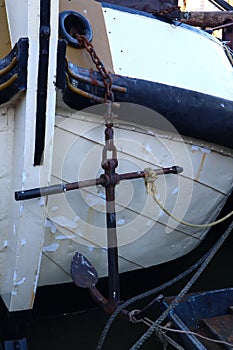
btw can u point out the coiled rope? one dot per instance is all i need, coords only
(158, 289)
(150, 179)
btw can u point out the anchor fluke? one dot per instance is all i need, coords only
(83, 273)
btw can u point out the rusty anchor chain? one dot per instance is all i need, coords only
(99, 65)
(110, 177)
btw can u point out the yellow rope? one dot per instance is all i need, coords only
(150, 178)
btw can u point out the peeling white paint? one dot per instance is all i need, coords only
(161, 213)
(14, 230)
(47, 223)
(54, 208)
(148, 148)
(94, 200)
(102, 194)
(53, 228)
(21, 209)
(5, 244)
(79, 234)
(24, 177)
(76, 218)
(149, 223)
(91, 248)
(64, 222)
(50, 224)
(121, 221)
(205, 150)
(14, 292)
(23, 242)
(15, 276)
(51, 248)
(61, 237)
(175, 190)
(202, 149)
(19, 282)
(41, 202)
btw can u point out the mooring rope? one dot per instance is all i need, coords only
(158, 289)
(184, 291)
(150, 322)
(150, 178)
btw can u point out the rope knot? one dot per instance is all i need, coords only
(150, 179)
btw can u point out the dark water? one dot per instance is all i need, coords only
(82, 332)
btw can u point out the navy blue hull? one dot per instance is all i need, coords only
(13, 71)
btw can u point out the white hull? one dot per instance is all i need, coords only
(167, 60)
(146, 235)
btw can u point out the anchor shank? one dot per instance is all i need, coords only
(113, 270)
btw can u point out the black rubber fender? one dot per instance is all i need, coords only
(73, 22)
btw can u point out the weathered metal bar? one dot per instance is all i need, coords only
(87, 95)
(222, 26)
(111, 180)
(142, 174)
(102, 180)
(205, 18)
(55, 189)
(113, 269)
(222, 5)
(93, 81)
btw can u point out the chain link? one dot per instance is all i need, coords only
(99, 65)
(109, 97)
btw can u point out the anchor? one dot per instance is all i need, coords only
(83, 273)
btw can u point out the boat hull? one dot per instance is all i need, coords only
(192, 113)
(47, 232)
(206, 314)
(146, 235)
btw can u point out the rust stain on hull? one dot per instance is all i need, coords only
(200, 167)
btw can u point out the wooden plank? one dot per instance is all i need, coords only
(221, 327)
(5, 45)
(94, 14)
(206, 19)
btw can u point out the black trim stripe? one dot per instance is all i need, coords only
(193, 114)
(42, 81)
(14, 65)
